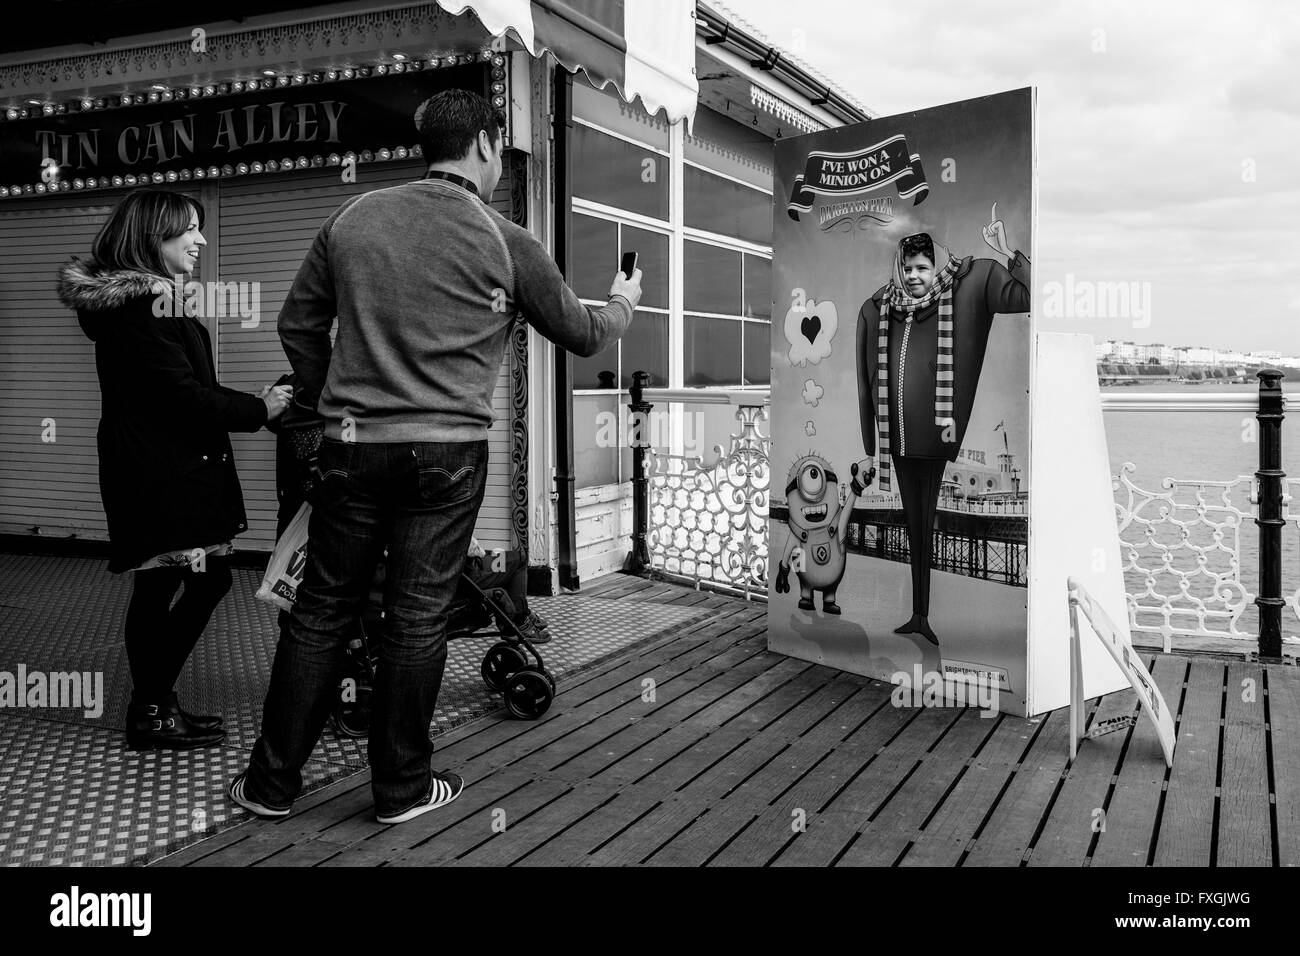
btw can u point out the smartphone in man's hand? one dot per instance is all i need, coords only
(627, 281)
(628, 265)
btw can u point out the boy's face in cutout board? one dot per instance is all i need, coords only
(918, 273)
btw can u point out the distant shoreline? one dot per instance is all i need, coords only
(1289, 383)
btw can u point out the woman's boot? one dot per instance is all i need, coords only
(171, 705)
(151, 726)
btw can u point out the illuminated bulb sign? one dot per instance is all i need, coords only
(246, 132)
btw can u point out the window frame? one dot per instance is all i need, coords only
(678, 234)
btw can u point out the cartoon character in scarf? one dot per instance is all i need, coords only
(920, 348)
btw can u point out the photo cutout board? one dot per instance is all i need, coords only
(901, 362)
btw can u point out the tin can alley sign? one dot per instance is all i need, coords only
(286, 122)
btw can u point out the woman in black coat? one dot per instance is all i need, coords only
(166, 469)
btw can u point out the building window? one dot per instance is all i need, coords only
(721, 291)
(615, 172)
(758, 287)
(621, 178)
(726, 207)
(758, 353)
(644, 347)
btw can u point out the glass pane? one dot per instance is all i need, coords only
(599, 371)
(730, 209)
(595, 449)
(712, 277)
(711, 351)
(592, 263)
(611, 171)
(645, 349)
(652, 259)
(758, 287)
(758, 353)
(720, 143)
(605, 108)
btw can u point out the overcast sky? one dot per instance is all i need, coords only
(1147, 147)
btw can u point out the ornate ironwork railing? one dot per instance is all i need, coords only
(1182, 546)
(1185, 557)
(705, 523)
(1181, 552)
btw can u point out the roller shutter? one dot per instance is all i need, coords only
(261, 230)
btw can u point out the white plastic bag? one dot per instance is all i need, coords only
(288, 560)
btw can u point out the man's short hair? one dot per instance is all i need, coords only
(919, 245)
(447, 124)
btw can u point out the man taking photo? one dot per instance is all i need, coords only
(424, 279)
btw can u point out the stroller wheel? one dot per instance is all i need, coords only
(550, 679)
(350, 724)
(529, 694)
(501, 661)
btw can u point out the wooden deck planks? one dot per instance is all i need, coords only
(857, 776)
(883, 839)
(1005, 837)
(732, 792)
(949, 833)
(747, 758)
(1245, 836)
(1284, 739)
(1187, 825)
(1131, 815)
(1079, 810)
(780, 792)
(470, 814)
(577, 705)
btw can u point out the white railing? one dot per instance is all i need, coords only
(1179, 402)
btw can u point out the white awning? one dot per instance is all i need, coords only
(646, 48)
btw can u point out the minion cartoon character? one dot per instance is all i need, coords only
(818, 522)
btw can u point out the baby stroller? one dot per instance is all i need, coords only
(528, 687)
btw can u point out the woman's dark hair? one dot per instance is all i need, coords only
(447, 124)
(919, 245)
(142, 221)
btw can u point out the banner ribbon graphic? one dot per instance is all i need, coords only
(857, 172)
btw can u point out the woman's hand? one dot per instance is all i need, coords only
(277, 399)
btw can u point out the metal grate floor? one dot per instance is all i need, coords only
(71, 794)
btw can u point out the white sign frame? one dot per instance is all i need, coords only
(1121, 649)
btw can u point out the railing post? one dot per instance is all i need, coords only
(640, 479)
(1269, 480)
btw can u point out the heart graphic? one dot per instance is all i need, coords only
(811, 327)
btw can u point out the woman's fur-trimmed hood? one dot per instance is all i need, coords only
(89, 288)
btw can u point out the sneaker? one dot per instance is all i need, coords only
(535, 629)
(444, 788)
(252, 806)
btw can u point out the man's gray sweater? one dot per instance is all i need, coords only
(424, 279)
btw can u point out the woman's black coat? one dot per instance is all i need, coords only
(166, 469)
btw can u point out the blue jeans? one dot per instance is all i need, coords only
(419, 500)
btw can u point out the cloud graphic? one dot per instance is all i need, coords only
(809, 329)
(812, 393)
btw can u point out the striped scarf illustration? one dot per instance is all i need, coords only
(896, 297)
